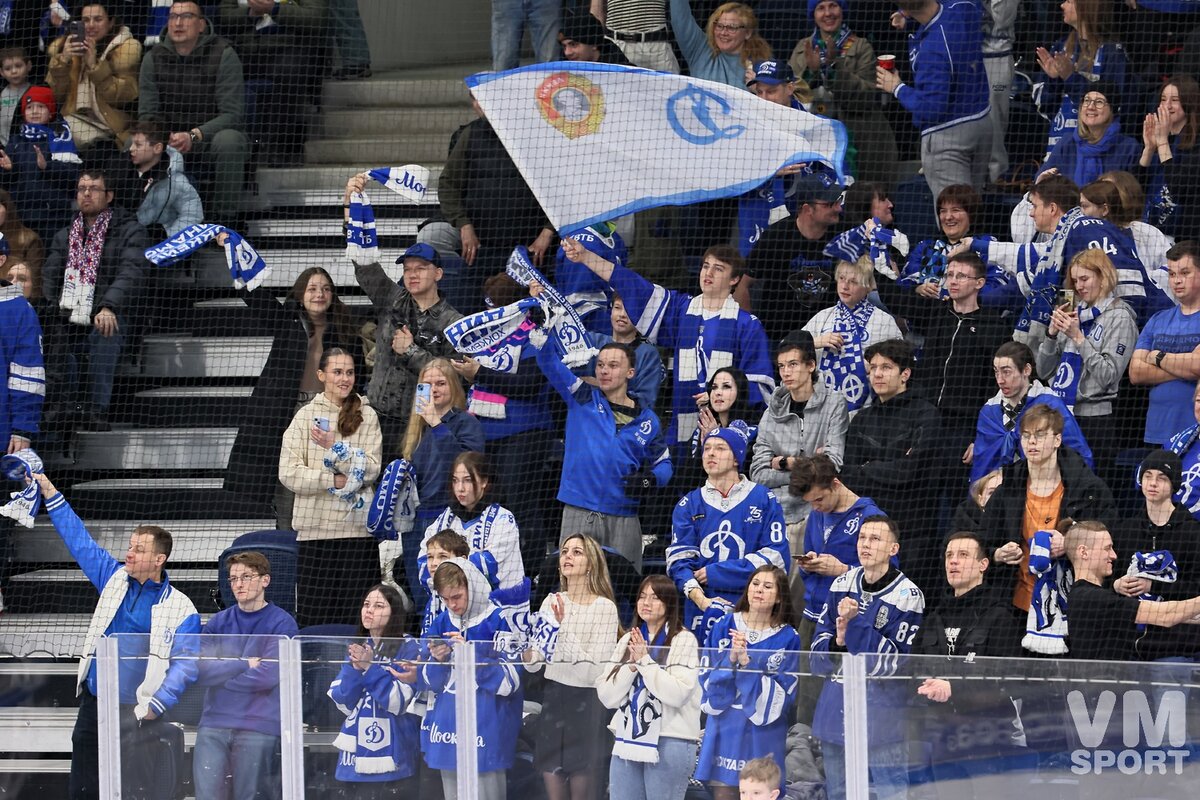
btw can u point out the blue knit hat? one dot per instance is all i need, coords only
(812, 7)
(737, 436)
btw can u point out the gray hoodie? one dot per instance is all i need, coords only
(783, 433)
(1105, 352)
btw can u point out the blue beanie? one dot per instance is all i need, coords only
(737, 436)
(812, 7)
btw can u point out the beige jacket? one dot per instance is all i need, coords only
(317, 513)
(114, 81)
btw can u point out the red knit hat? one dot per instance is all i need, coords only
(39, 94)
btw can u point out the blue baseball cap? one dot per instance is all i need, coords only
(772, 73)
(423, 251)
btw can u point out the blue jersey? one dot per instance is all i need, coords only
(949, 84)
(730, 537)
(996, 447)
(1170, 411)
(498, 695)
(834, 534)
(703, 342)
(749, 708)
(887, 624)
(22, 371)
(599, 452)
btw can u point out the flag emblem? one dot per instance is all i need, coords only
(571, 103)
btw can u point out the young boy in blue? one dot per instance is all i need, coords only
(707, 332)
(471, 619)
(378, 741)
(748, 679)
(872, 610)
(722, 532)
(239, 728)
(614, 450)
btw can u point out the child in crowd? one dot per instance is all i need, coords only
(378, 742)
(471, 619)
(40, 165)
(14, 66)
(759, 779)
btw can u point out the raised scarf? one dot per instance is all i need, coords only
(246, 267)
(25, 504)
(638, 721)
(84, 250)
(846, 371)
(563, 320)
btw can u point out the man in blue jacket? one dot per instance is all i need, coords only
(154, 667)
(948, 97)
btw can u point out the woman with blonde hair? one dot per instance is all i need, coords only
(330, 458)
(573, 635)
(95, 79)
(727, 45)
(1088, 344)
(438, 430)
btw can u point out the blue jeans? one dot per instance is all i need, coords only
(348, 34)
(666, 780)
(887, 766)
(510, 18)
(234, 765)
(102, 356)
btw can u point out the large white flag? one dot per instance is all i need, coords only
(596, 141)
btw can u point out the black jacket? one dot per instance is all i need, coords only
(890, 456)
(1085, 497)
(251, 472)
(955, 371)
(1181, 536)
(121, 274)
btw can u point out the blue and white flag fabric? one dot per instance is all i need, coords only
(246, 266)
(563, 320)
(495, 337)
(24, 505)
(408, 181)
(394, 507)
(362, 239)
(597, 141)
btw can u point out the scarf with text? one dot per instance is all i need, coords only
(1041, 284)
(638, 721)
(58, 141)
(394, 507)
(563, 319)
(1065, 383)
(246, 267)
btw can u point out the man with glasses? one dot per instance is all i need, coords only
(239, 728)
(954, 371)
(191, 83)
(94, 274)
(157, 630)
(790, 273)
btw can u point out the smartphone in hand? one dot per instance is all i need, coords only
(424, 394)
(1065, 297)
(76, 31)
(322, 423)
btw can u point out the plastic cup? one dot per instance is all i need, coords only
(887, 62)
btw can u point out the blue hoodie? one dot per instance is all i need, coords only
(949, 84)
(834, 534)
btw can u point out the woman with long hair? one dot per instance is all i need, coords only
(655, 677)
(486, 525)
(726, 400)
(1085, 55)
(438, 430)
(24, 244)
(374, 688)
(330, 458)
(1150, 243)
(1097, 144)
(749, 719)
(1086, 351)
(95, 79)
(1169, 166)
(308, 322)
(725, 47)
(573, 635)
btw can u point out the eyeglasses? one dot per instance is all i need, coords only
(186, 16)
(728, 28)
(234, 580)
(1036, 436)
(91, 189)
(839, 200)
(961, 276)
(1098, 102)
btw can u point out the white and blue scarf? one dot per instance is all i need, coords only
(1046, 626)
(1040, 284)
(351, 462)
(638, 721)
(1065, 383)
(394, 508)
(1157, 565)
(882, 240)
(408, 181)
(246, 266)
(841, 366)
(562, 318)
(495, 337)
(59, 141)
(362, 239)
(25, 504)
